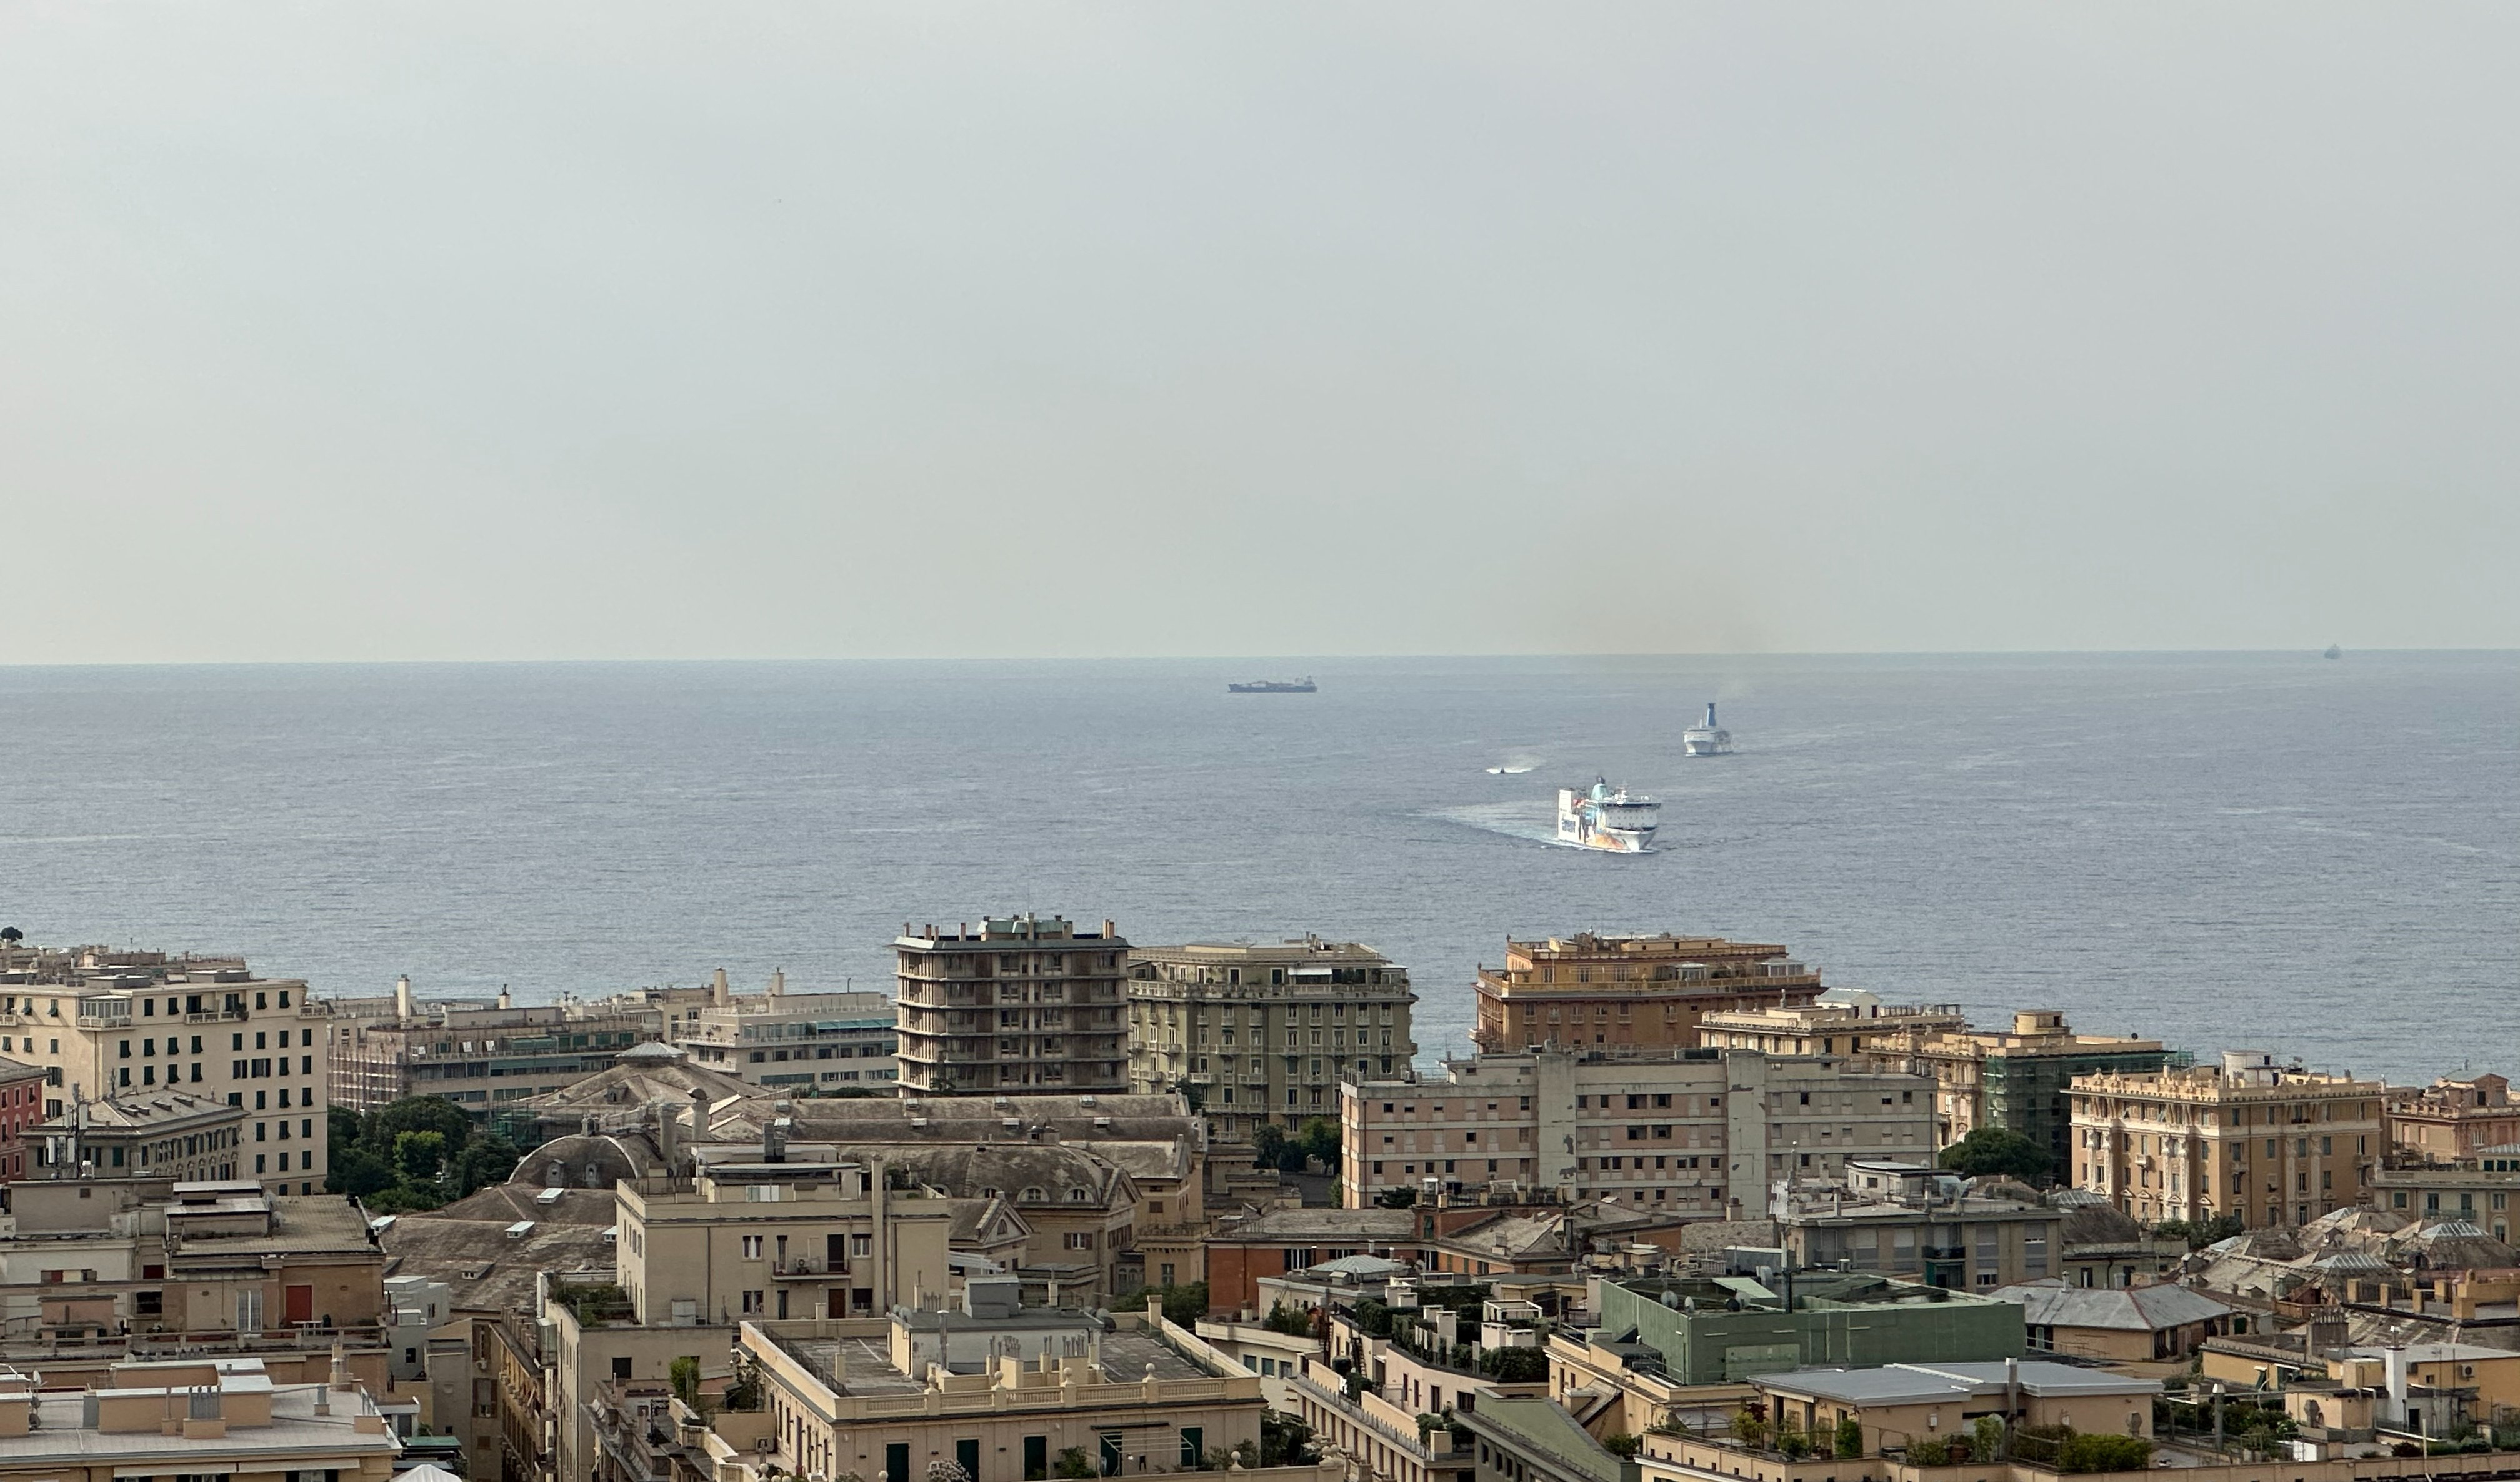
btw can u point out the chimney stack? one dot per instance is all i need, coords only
(505, 1001)
(717, 989)
(778, 981)
(402, 996)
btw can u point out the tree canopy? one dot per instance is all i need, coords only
(1999, 1151)
(420, 1152)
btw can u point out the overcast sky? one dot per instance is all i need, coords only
(359, 331)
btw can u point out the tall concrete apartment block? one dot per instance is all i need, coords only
(110, 1023)
(1267, 1031)
(1025, 1002)
(2273, 1145)
(1710, 1133)
(1624, 995)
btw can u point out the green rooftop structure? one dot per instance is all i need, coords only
(1725, 1330)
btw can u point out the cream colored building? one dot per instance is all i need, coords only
(2272, 1145)
(1900, 1404)
(1264, 1032)
(793, 1042)
(104, 1022)
(1024, 1003)
(785, 1233)
(1708, 1133)
(208, 1418)
(1629, 995)
(1001, 1392)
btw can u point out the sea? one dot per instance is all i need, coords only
(2276, 851)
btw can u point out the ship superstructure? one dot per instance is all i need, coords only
(1706, 739)
(1304, 686)
(1607, 817)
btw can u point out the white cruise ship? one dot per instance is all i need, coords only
(1607, 817)
(1707, 738)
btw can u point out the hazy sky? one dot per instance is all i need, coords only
(362, 330)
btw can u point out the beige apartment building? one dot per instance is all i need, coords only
(233, 1421)
(1628, 995)
(1966, 1243)
(2454, 1119)
(107, 1023)
(793, 1042)
(1024, 1003)
(1706, 1133)
(1006, 1393)
(1265, 1032)
(1877, 1036)
(2272, 1145)
(774, 1232)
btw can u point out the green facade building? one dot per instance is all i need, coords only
(1725, 1330)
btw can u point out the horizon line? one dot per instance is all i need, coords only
(1221, 658)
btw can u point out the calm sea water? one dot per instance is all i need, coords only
(2320, 858)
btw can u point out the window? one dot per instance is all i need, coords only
(752, 1247)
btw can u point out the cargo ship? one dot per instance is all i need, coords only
(1304, 686)
(1607, 817)
(1707, 738)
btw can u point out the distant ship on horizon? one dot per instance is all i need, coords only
(1304, 686)
(1607, 817)
(1706, 739)
(2333, 651)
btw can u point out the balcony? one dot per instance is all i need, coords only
(808, 1271)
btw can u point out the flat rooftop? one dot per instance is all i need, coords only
(60, 1440)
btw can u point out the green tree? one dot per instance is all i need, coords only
(1848, 1439)
(1192, 1092)
(684, 1373)
(1184, 1305)
(419, 1155)
(358, 1173)
(1075, 1464)
(1268, 1145)
(485, 1160)
(1999, 1151)
(1623, 1446)
(1987, 1439)
(418, 1113)
(1374, 1318)
(1403, 1198)
(1514, 1365)
(1750, 1428)
(1320, 1139)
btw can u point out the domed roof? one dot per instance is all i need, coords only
(586, 1161)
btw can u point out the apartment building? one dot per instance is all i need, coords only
(104, 1023)
(775, 1231)
(233, 1422)
(161, 1133)
(2453, 1120)
(1703, 1131)
(1625, 995)
(1868, 1032)
(1024, 1003)
(21, 1108)
(1264, 1032)
(2021, 1079)
(1006, 1393)
(1963, 1244)
(480, 1057)
(92, 1258)
(793, 1042)
(2485, 1192)
(2272, 1143)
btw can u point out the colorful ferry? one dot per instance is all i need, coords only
(1607, 818)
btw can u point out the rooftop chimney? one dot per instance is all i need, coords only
(505, 1001)
(717, 989)
(402, 996)
(778, 981)
(774, 1139)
